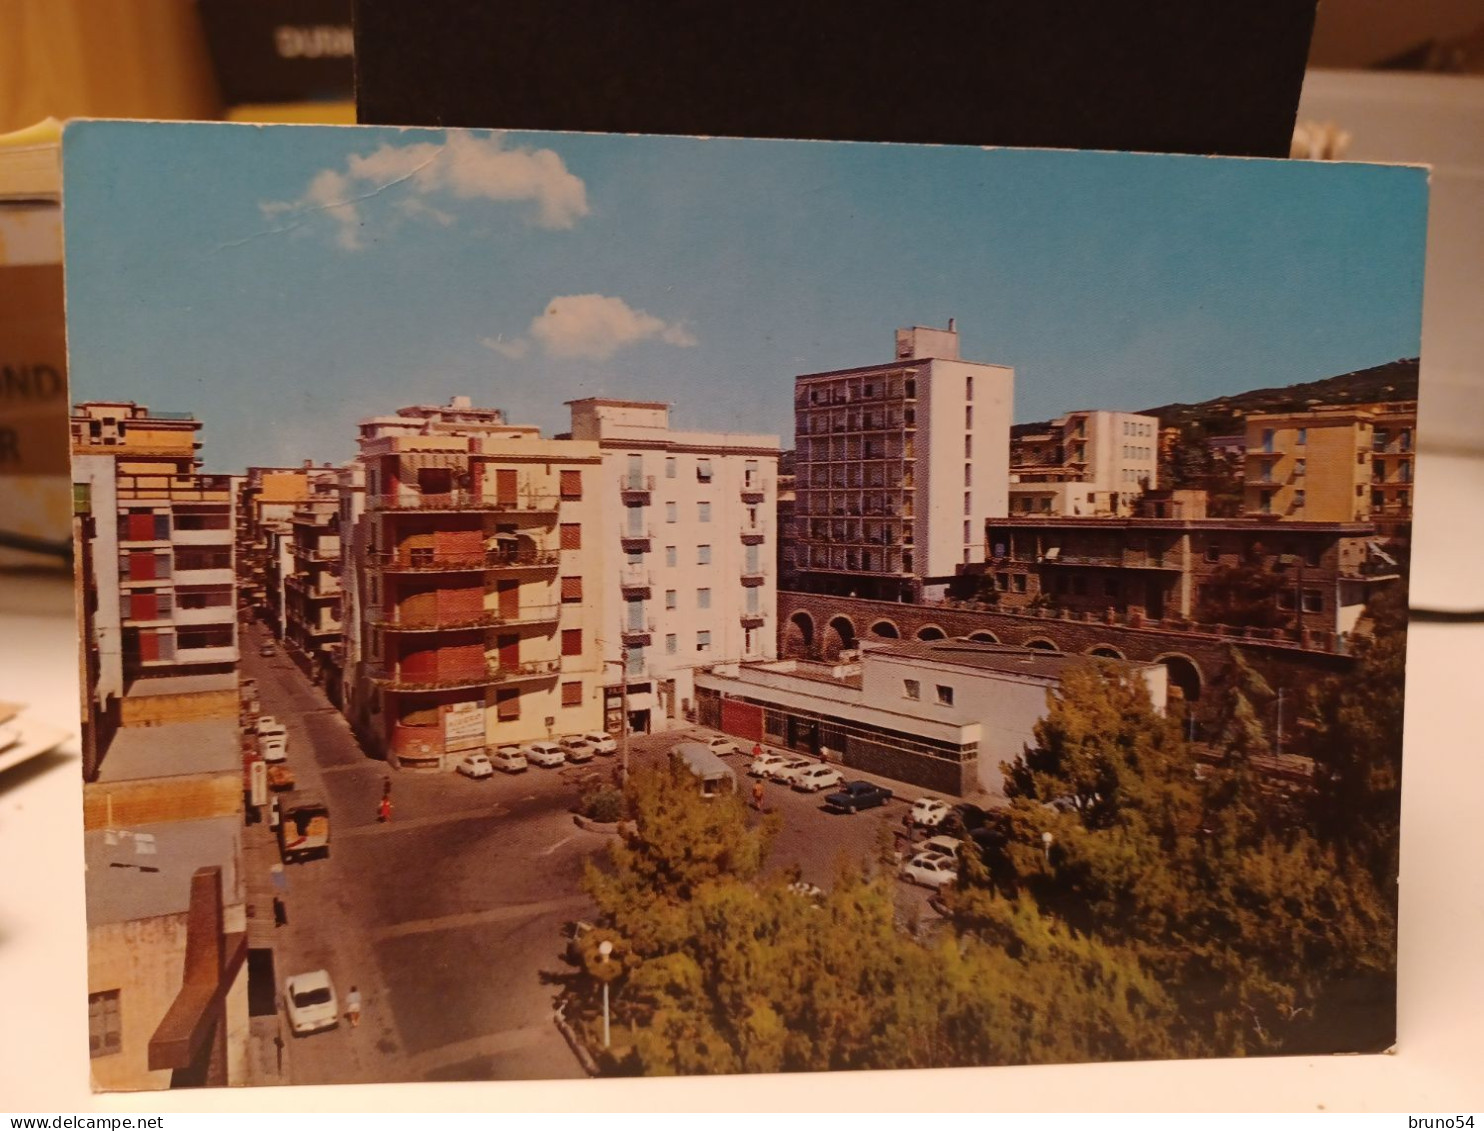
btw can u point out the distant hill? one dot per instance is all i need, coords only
(1220, 416)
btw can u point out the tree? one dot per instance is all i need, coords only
(1243, 596)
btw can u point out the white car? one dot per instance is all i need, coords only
(476, 766)
(267, 725)
(930, 869)
(789, 771)
(930, 812)
(577, 749)
(510, 760)
(548, 755)
(273, 748)
(943, 845)
(601, 741)
(763, 767)
(720, 745)
(311, 1003)
(817, 777)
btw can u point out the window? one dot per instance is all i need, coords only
(1378, 499)
(968, 387)
(703, 598)
(635, 664)
(671, 644)
(670, 598)
(1378, 470)
(1404, 440)
(703, 641)
(1267, 440)
(703, 555)
(1378, 439)
(507, 704)
(1019, 580)
(968, 475)
(1300, 467)
(671, 512)
(571, 641)
(1404, 471)
(945, 695)
(703, 512)
(969, 418)
(968, 447)
(572, 693)
(703, 470)
(571, 536)
(1303, 435)
(202, 557)
(1110, 587)
(1213, 552)
(912, 689)
(1298, 500)
(968, 526)
(669, 467)
(105, 1029)
(1312, 554)
(1313, 601)
(572, 589)
(754, 602)
(571, 484)
(1404, 498)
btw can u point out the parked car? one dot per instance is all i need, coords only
(266, 650)
(476, 766)
(311, 1002)
(817, 777)
(943, 845)
(510, 760)
(763, 767)
(577, 749)
(548, 755)
(805, 890)
(273, 748)
(930, 869)
(720, 745)
(858, 795)
(787, 772)
(930, 812)
(280, 778)
(601, 741)
(267, 724)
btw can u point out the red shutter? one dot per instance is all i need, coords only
(141, 565)
(571, 484)
(571, 536)
(143, 606)
(507, 703)
(506, 486)
(572, 694)
(141, 527)
(572, 588)
(571, 641)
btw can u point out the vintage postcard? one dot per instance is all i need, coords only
(565, 605)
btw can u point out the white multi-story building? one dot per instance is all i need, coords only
(897, 467)
(1084, 464)
(689, 569)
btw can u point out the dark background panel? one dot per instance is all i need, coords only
(1170, 76)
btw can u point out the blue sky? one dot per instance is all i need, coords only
(284, 282)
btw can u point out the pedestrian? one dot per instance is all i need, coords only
(353, 1007)
(757, 749)
(384, 810)
(757, 795)
(386, 787)
(280, 912)
(908, 830)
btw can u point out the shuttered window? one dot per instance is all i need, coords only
(571, 641)
(572, 589)
(507, 704)
(571, 484)
(572, 694)
(571, 536)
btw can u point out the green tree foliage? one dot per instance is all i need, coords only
(1243, 596)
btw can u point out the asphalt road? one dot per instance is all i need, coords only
(450, 917)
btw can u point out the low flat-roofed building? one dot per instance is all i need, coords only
(940, 714)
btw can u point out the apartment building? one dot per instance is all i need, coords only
(1334, 464)
(471, 559)
(897, 466)
(312, 591)
(688, 565)
(266, 499)
(1085, 463)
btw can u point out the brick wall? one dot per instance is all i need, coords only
(151, 801)
(155, 710)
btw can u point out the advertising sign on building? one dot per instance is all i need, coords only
(463, 726)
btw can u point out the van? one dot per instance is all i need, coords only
(303, 830)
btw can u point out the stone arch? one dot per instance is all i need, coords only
(984, 637)
(839, 635)
(931, 632)
(1185, 674)
(798, 637)
(1107, 651)
(887, 629)
(1046, 644)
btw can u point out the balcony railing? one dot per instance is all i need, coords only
(394, 680)
(529, 503)
(753, 576)
(637, 633)
(635, 484)
(631, 577)
(460, 563)
(636, 539)
(753, 487)
(753, 532)
(754, 620)
(537, 614)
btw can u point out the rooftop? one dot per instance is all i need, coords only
(1002, 659)
(201, 746)
(145, 871)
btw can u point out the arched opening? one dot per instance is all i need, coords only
(984, 637)
(839, 636)
(1184, 674)
(798, 637)
(1106, 650)
(1042, 643)
(931, 632)
(886, 629)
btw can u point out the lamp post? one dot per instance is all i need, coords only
(1046, 839)
(605, 955)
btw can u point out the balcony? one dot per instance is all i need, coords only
(636, 539)
(638, 634)
(754, 488)
(393, 680)
(537, 614)
(754, 620)
(529, 503)
(428, 562)
(635, 488)
(753, 576)
(753, 532)
(633, 579)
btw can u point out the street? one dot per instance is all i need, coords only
(449, 917)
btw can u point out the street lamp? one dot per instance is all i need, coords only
(1046, 839)
(605, 955)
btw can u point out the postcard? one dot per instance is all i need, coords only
(561, 605)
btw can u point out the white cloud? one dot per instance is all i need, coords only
(464, 167)
(595, 327)
(514, 348)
